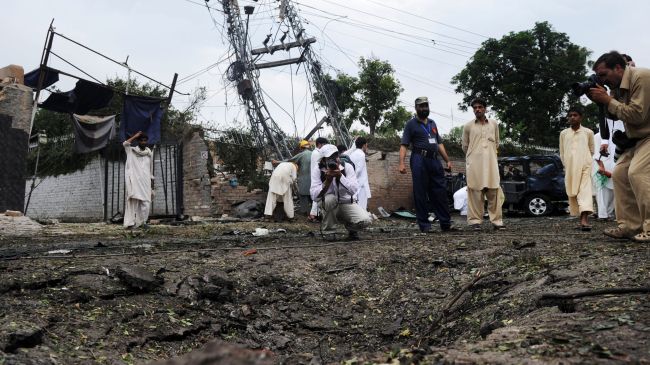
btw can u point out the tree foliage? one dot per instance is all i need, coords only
(57, 156)
(370, 98)
(525, 77)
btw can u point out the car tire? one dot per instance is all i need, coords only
(538, 205)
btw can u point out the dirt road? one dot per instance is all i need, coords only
(85, 294)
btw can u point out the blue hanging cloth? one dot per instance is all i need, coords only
(141, 114)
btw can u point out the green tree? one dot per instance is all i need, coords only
(58, 157)
(525, 77)
(370, 98)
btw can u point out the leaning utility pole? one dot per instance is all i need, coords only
(333, 116)
(244, 73)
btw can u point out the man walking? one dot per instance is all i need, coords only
(480, 143)
(358, 158)
(576, 150)
(138, 181)
(429, 184)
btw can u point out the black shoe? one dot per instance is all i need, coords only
(353, 236)
(475, 227)
(450, 229)
(499, 228)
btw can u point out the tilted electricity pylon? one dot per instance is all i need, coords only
(333, 115)
(244, 74)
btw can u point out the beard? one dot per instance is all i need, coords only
(422, 114)
(142, 148)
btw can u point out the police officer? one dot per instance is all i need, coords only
(429, 184)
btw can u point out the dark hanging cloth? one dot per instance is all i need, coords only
(92, 133)
(85, 96)
(141, 114)
(51, 76)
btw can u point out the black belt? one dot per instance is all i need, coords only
(425, 153)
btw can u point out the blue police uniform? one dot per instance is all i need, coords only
(429, 184)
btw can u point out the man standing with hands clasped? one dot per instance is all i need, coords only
(576, 149)
(480, 143)
(429, 184)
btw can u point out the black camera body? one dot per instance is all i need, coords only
(622, 142)
(581, 88)
(332, 164)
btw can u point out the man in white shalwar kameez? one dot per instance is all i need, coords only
(358, 158)
(138, 181)
(576, 151)
(284, 175)
(602, 179)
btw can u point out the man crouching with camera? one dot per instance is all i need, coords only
(629, 102)
(335, 190)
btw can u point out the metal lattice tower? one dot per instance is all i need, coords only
(244, 74)
(318, 80)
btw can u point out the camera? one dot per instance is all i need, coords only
(581, 88)
(332, 164)
(622, 142)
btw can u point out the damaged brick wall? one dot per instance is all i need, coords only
(15, 117)
(197, 198)
(389, 188)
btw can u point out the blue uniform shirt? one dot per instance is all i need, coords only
(418, 134)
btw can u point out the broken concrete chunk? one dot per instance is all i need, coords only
(18, 334)
(138, 278)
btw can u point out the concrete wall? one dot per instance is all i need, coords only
(79, 196)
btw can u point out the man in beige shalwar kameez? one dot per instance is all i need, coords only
(480, 143)
(138, 181)
(576, 149)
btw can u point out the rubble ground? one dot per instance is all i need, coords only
(97, 294)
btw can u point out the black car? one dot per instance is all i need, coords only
(533, 184)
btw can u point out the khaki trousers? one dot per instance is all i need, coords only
(475, 205)
(272, 199)
(632, 188)
(584, 201)
(354, 218)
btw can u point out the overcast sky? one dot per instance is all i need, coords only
(162, 37)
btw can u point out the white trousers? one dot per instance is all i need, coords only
(362, 198)
(272, 199)
(350, 214)
(605, 202)
(136, 212)
(314, 209)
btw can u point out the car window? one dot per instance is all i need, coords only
(512, 171)
(542, 168)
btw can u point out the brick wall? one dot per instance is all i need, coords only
(224, 195)
(389, 188)
(15, 117)
(197, 190)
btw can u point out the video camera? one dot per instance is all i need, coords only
(581, 88)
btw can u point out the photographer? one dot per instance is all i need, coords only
(335, 190)
(630, 102)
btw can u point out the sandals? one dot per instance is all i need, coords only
(585, 227)
(312, 219)
(618, 234)
(643, 237)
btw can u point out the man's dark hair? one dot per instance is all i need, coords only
(360, 141)
(575, 109)
(610, 59)
(322, 140)
(626, 57)
(341, 148)
(143, 136)
(478, 101)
